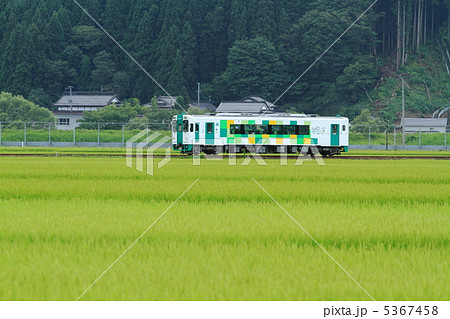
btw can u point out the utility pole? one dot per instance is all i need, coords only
(403, 113)
(70, 99)
(198, 95)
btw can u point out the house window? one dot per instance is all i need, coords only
(64, 121)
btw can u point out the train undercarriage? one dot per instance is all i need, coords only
(262, 149)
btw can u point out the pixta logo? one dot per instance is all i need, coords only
(150, 143)
(252, 152)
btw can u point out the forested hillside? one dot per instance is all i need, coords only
(234, 48)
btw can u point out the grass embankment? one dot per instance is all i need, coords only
(65, 220)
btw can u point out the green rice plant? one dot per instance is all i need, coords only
(65, 220)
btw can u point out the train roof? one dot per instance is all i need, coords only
(268, 115)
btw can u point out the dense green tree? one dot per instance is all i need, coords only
(40, 98)
(176, 81)
(254, 68)
(55, 38)
(358, 78)
(364, 119)
(17, 109)
(51, 44)
(89, 38)
(215, 50)
(109, 114)
(104, 68)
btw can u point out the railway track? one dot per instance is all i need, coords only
(291, 157)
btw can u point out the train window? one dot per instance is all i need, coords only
(192, 128)
(269, 129)
(261, 129)
(179, 127)
(236, 129)
(291, 129)
(303, 130)
(282, 129)
(174, 126)
(334, 128)
(197, 127)
(249, 129)
(209, 128)
(185, 126)
(343, 128)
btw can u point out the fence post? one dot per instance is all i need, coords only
(395, 140)
(123, 135)
(387, 137)
(49, 134)
(445, 137)
(420, 139)
(24, 134)
(98, 134)
(0, 134)
(74, 136)
(369, 139)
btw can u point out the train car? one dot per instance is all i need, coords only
(268, 133)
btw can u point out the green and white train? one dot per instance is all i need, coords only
(268, 133)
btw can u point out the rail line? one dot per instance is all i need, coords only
(241, 156)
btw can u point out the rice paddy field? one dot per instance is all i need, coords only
(107, 151)
(64, 221)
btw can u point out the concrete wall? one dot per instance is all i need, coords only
(73, 121)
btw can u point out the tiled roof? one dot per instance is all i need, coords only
(88, 100)
(258, 99)
(166, 100)
(204, 106)
(241, 107)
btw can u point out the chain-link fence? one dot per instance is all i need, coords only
(390, 137)
(116, 135)
(87, 134)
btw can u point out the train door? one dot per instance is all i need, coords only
(185, 132)
(209, 134)
(197, 132)
(334, 134)
(179, 129)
